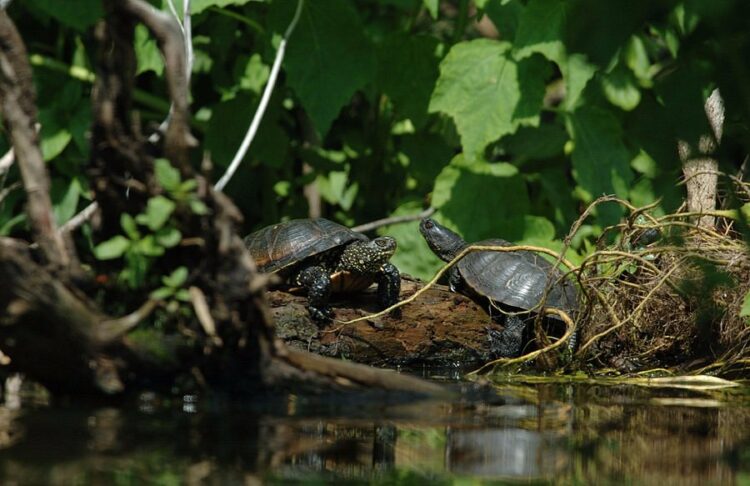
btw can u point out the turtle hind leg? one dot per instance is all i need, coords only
(317, 282)
(389, 287)
(508, 342)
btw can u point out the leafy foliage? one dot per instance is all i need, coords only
(386, 107)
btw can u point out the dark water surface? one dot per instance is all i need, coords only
(541, 433)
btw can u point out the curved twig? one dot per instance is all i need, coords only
(250, 135)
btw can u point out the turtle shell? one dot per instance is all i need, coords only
(516, 279)
(281, 245)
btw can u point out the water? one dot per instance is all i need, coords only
(541, 433)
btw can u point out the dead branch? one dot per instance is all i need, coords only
(19, 114)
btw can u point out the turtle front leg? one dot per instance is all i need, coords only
(389, 287)
(455, 281)
(508, 342)
(317, 282)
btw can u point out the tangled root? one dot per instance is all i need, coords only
(674, 303)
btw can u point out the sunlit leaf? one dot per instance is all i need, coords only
(168, 176)
(540, 29)
(177, 278)
(197, 6)
(128, 225)
(168, 237)
(112, 248)
(158, 211)
(480, 88)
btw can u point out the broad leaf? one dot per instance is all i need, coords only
(168, 237)
(147, 52)
(600, 159)
(177, 278)
(481, 199)
(407, 71)
(168, 176)
(620, 89)
(540, 30)
(130, 227)
(112, 248)
(158, 211)
(79, 14)
(328, 56)
(197, 6)
(480, 88)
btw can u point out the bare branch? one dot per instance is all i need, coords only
(167, 31)
(362, 228)
(80, 218)
(242, 151)
(19, 113)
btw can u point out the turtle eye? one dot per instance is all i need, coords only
(380, 243)
(428, 224)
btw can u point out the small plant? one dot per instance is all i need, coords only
(182, 192)
(140, 248)
(172, 289)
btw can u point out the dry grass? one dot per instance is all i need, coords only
(672, 304)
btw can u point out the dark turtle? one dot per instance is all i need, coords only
(324, 257)
(512, 281)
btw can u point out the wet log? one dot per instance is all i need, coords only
(440, 328)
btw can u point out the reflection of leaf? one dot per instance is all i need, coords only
(480, 88)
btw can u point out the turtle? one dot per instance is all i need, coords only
(512, 281)
(324, 257)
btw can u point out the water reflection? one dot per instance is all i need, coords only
(552, 433)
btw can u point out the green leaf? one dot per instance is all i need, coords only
(168, 176)
(745, 310)
(128, 225)
(505, 15)
(177, 278)
(407, 71)
(54, 137)
(540, 30)
(162, 293)
(182, 295)
(198, 207)
(577, 72)
(328, 57)
(188, 186)
(480, 88)
(198, 6)
(254, 75)
(600, 159)
(147, 52)
(481, 199)
(112, 248)
(158, 211)
(412, 256)
(79, 14)
(65, 196)
(620, 89)
(432, 7)
(168, 237)
(148, 246)
(636, 58)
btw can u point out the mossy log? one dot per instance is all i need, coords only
(440, 328)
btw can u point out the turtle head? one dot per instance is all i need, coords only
(368, 256)
(443, 242)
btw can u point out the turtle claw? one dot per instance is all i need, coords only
(321, 314)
